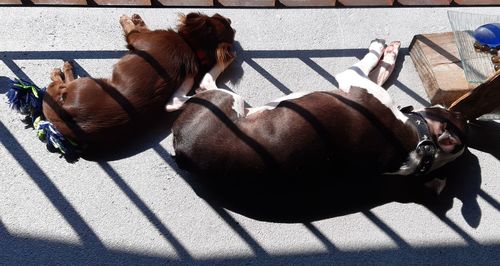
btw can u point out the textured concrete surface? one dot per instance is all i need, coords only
(140, 208)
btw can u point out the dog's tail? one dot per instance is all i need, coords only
(27, 98)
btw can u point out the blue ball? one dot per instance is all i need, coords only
(488, 34)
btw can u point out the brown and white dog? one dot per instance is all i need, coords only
(160, 65)
(356, 128)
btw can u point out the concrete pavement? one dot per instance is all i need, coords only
(140, 208)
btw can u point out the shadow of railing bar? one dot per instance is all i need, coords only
(320, 70)
(402, 244)
(78, 70)
(115, 54)
(316, 53)
(182, 252)
(56, 198)
(458, 230)
(16, 70)
(268, 76)
(251, 242)
(321, 237)
(39, 55)
(439, 49)
(411, 93)
(3, 230)
(319, 53)
(489, 199)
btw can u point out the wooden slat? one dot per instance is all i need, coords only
(478, 2)
(186, 2)
(59, 2)
(255, 3)
(247, 3)
(10, 2)
(305, 3)
(123, 2)
(366, 2)
(425, 2)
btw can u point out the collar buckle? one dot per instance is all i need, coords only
(426, 148)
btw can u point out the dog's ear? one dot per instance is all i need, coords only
(224, 53)
(194, 23)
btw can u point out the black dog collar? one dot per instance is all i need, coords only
(426, 148)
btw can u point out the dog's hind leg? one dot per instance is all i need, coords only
(56, 75)
(357, 76)
(362, 68)
(68, 72)
(135, 23)
(139, 23)
(385, 66)
(127, 24)
(132, 28)
(371, 59)
(57, 88)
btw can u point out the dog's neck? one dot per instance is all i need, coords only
(202, 53)
(420, 159)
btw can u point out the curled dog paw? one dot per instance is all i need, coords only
(137, 20)
(124, 19)
(67, 66)
(56, 74)
(377, 45)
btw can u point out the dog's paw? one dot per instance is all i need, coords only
(377, 45)
(208, 83)
(56, 74)
(137, 20)
(199, 90)
(124, 19)
(67, 66)
(176, 103)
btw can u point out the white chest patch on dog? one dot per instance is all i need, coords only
(238, 102)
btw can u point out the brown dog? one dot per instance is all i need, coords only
(91, 112)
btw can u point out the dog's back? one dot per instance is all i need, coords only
(316, 132)
(93, 110)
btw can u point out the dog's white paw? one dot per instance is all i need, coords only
(208, 83)
(377, 45)
(176, 103)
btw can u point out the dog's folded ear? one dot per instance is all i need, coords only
(225, 54)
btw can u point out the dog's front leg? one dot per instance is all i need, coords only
(180, 95)
(207, 83)
(209, 80)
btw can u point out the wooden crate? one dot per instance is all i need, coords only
(438, 64)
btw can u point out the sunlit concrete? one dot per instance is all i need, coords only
(141, 208)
